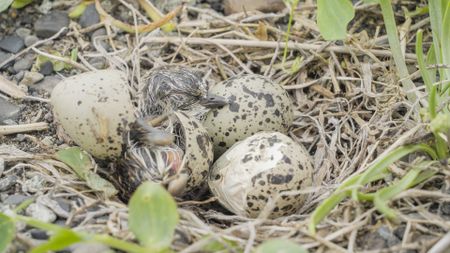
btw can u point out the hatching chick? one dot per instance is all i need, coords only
(172, 88)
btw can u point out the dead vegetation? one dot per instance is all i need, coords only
(349, 110)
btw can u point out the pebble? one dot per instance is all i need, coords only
(445, 208)
(34, 184)
(30, 40)
(23, 32)
(89, 17)
(19, 76)
(24, 64)
(47, 84)
(31, 78)
(12, 44)
(8, 111)
(15, 199)
(102, 42)
(40, 212)
(7, 182)
(91, 247)
(38, 234)
(46, 68)
(98, 63)
(4, 56)
(53, 205)
(50, 24)
(235, 6)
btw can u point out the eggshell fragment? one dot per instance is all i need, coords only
(95, 109)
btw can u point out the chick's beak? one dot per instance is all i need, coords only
(213, 101)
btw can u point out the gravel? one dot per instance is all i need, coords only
(24, 64)
(40, 212)
(89, 17)
(12, 44)
(31, 78)
(8, 111)
(50, 24)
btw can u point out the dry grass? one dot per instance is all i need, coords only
(349, 110)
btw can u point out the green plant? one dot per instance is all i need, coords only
(437, 120)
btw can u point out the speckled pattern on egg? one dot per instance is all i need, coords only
(198, 151)
(255, 104)
(258, 168)
(95, 109)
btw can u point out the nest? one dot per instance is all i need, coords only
(349, 110)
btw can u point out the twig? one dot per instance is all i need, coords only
(14, 129)
(272, 44)
(10, 88)
(62, 59)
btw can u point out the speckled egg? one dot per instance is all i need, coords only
(94, 109)
(255, 104)
(182, 166)
(258, 169)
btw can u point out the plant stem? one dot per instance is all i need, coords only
(292, 7)
(391, 30)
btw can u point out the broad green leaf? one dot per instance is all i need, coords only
(333, 18)
(280, 246)
(61, 240)
(4, 4)
(7, 231)
(153, 216)
(17, 4)
(81, 164)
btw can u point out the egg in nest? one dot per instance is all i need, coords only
(260, 168)
(254, 104)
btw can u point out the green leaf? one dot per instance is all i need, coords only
(81, 164)
(296, 65)
(280, 246)
(333, 18)
(17, 4)
(446, 44)
(223, 245)
(4, 4)
(78, 10)
(61, 240)
(153, 216)
(7, 231)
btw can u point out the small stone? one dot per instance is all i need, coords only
(8, 111)
(445, 208)
(47, 141)
(102, 42)
(31, 78)
(90, 247)
(19, 76)
(3, 57)
(89, 17)
(20, 137)
(30, 40)
(24, 63)
(12, 44)
(38, 234)
(7, 182)
(50, 24)
(64, 204)
(15, 199)
(46, 68)
(47, 84)
(235, 6)
(23, 32)
(41, 213)
(98, 63)
(34, 184)
(53, 205)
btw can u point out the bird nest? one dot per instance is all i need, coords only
(349, 110)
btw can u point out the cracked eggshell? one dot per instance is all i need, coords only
(258, 169)
(94, 109)
(198, 154)
(255, 104)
